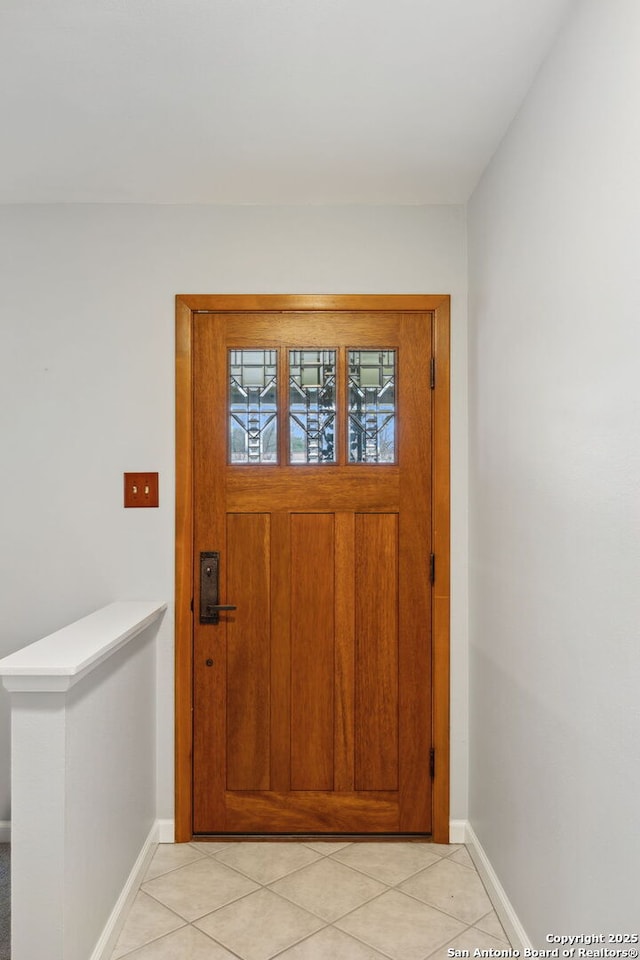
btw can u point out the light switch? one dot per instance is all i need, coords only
(141, 489)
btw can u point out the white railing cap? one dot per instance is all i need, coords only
(59, 661)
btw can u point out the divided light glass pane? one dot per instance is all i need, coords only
(253, 397)
(372, 406)
(312, 406)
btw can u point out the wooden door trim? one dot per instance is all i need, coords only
(186, 306)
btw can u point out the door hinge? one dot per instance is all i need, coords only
(432, 568)
(432, 763)
(432, 373)
(191, 604)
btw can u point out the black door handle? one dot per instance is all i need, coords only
(209, 606)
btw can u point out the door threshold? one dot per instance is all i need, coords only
(315, 837)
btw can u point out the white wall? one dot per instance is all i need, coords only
(554, 237)
(86, 392)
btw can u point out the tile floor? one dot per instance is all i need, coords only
(309, 901)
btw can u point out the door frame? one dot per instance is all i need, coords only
(186, 306)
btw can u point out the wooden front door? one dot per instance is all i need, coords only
(312, 469)
(313, 466)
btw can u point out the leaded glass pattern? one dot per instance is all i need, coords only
(253, 406)
(372, 406)
(312, 406)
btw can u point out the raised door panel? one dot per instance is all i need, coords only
(376, 652)
(248, 652)
(312, 651)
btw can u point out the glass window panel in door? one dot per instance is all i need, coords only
(253, 410)
(312, 406)
(372, 406)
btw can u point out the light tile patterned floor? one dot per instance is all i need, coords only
(309, 901)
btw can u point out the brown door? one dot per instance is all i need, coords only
(312, 479)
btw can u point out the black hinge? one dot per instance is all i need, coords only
(191, 604)
(432, 373)
(432, 568)
(432, 763)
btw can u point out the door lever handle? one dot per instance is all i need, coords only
(212, 612)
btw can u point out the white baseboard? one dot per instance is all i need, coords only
(458, 831)
(166, 831)
(107, 940)
(503, 906)
(5, 831)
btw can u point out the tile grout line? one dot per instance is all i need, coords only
(395, 882)
(207, 913)
(335, 919)
(448, 942)
(421, 902)
(493, 913)
(219, 943)
(153, 939)
(451, 916)
(331, 926)
(170, 870)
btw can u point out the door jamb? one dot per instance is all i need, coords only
(186, 307)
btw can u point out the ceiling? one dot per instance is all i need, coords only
(261, 101)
